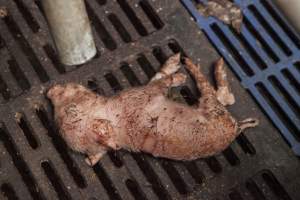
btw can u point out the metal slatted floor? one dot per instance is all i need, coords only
(265, 57)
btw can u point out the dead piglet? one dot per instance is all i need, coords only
(144, 119)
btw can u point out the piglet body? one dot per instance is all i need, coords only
(144, 119)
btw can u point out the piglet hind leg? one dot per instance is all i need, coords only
(224, 96)
(207, 91)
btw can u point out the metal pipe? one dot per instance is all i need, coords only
(71, 30)
(291, 9)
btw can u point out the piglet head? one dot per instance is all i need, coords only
(61, 94)
(82, 127)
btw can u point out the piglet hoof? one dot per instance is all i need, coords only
(88, 161)
(178, 79)
(94, 159)
(225, 97)
(172, 65)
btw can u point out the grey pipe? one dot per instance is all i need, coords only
(71, 30)
(291, 9)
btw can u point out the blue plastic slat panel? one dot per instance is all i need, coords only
(267, 48)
